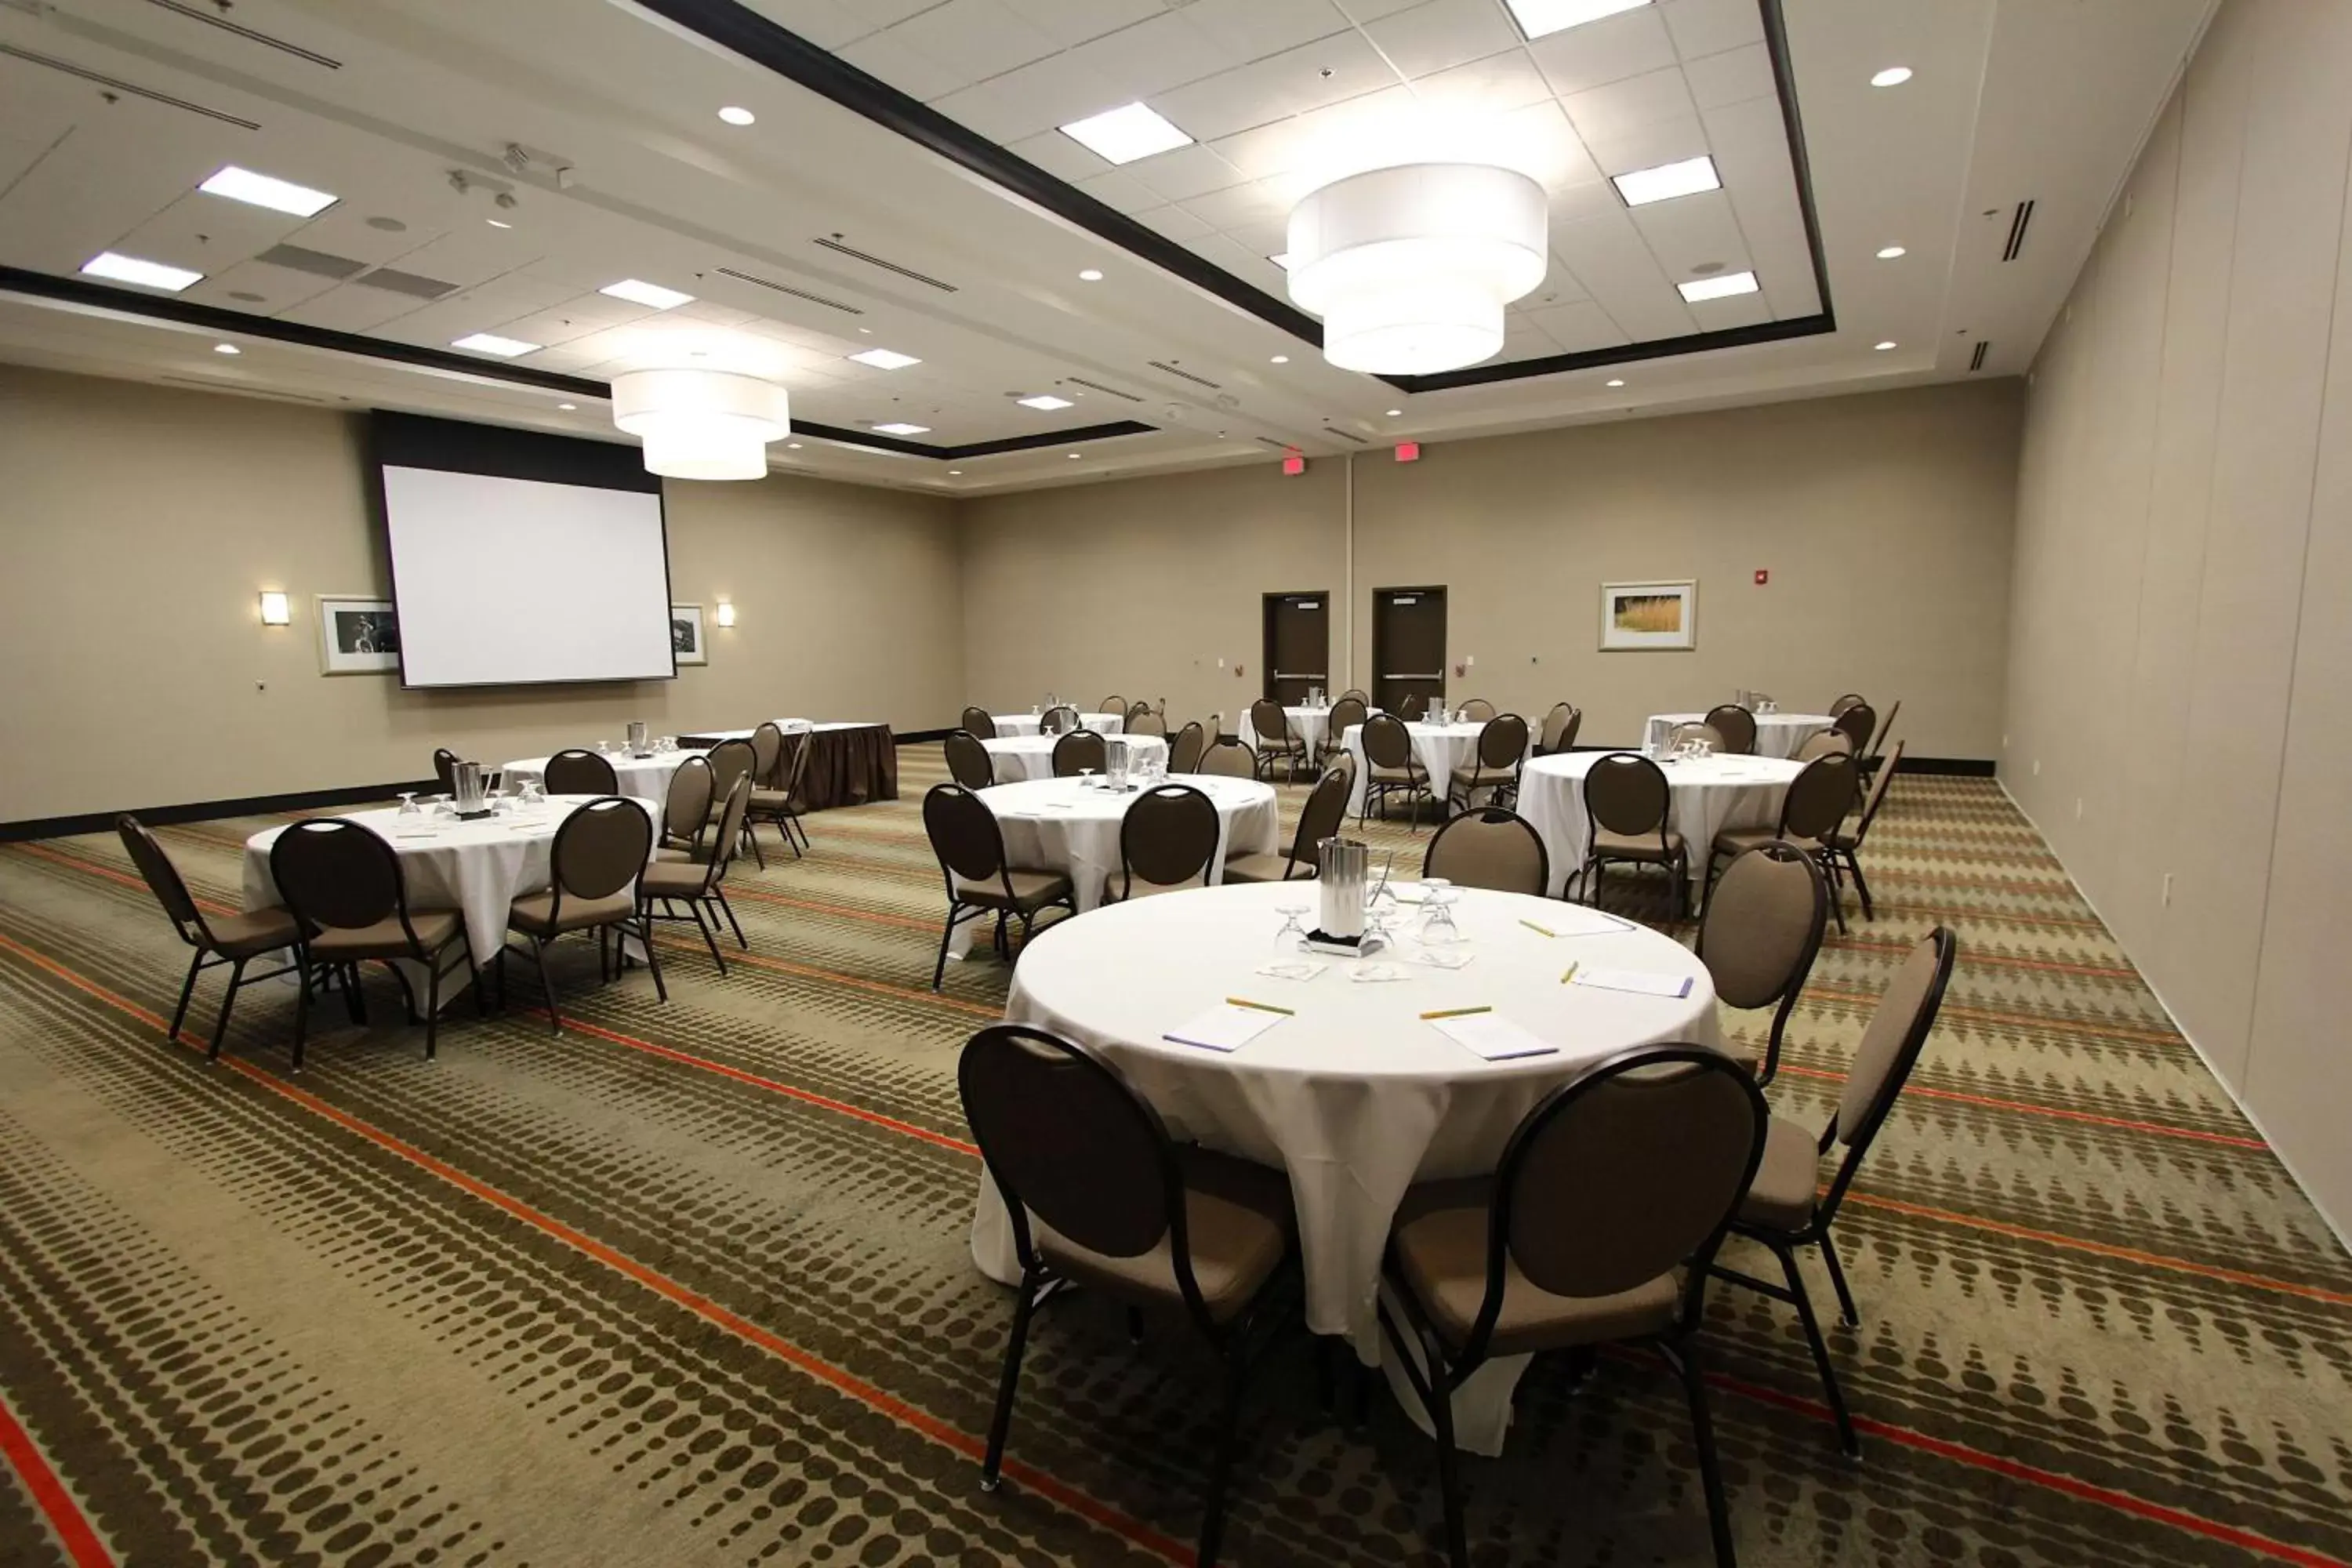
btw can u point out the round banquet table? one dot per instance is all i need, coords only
(1307, 723)
(1022, 757)
(1355, 1097)
(639, 778)
(1062, 825)
(1441, 747)
(1026, 723)
(1708, 795)
(475, 867)
(1777, 735)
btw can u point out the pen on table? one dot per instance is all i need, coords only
(1568, 974)
(1456, 1012)
(1261, 1006)
(1539, 931)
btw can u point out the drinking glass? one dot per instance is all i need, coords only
(1438, 927)
(408, 802)
(1294, 917)
(1086, 778)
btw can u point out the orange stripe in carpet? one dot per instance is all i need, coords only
(808, 971)
(2096, 970)
(919, 1421)
(83, 1548)
(2014, 1020)
(209, 906)
(1920, 1091)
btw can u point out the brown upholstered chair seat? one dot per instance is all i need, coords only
(666, 879)
(1482, 778)
(1237, 1221)
(1440, 1241)
(385, 939)
(1030, 890)
(1396, 775)
(248, 935)
(772, 799)
(1143, 890)
(1781, 1195)
(1737, 840)
(1264, 868)
(536, 914)
(1635, 846)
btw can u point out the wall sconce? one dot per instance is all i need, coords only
(726, 613)
(275, 609)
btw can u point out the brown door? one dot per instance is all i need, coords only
(1298, 646)
(1408, 646)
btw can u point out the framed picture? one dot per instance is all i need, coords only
(357, 635)
(685, 635)
(1640, 615)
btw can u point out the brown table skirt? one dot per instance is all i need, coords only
(847, 767)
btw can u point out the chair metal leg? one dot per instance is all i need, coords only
(187, 990)
(433, 1002)
(992, 1467)
(709, 938)
(1440, 1405)
(1847, 1440)
(228, 1001)
(1684, 1361)
(546, 987)
(353, 1002)
(301, 1007)
(947, 932)
(1846, 1311)
(741, 939)
(653, 960)
(1861, 887)
(1212, 1523)
(758, 854)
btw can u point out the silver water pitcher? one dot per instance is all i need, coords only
(1115, 762)
(1341, 867)
(466, 789)
(637, 735)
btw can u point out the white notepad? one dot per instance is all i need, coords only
(1579, 919)
(1641, 981)
(1223, 1027)
(1492, 1035)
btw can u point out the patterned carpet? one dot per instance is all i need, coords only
(690, 1283)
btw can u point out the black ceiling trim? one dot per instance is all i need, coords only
(214, 318)
(1801, 164)
(743, 30)
(1622, 353)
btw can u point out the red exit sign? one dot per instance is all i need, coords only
(1408, 451)
(1294, 462)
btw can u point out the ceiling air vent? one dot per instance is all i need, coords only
(2017, 225)
(116, 84)
(788, 289)
(1099, 386)
(317, 263)
(1277, 446)
(872, 260)
(1976, 360)
(1187, 375)
(219, 19)
(413, 285)
(242, 390)
(1343, 434)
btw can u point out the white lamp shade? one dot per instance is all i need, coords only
(1410, 267)
(702, 424)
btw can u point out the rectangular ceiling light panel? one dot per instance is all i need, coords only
(1123, 135)
(146, 274)
(1538, 17)
(1668, 181)
(262, 190)
(1700, 289)
(491, 343)
(885, 359)
(651, 295)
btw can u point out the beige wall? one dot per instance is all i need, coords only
(1885, 520)
(138, 524)
(2180, 699)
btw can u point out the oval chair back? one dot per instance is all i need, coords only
(1344, 715)
(1272, 724)
(1737, 725)
(1822, 742)
(1699, 729)
(1488, 846)
(1627, 793)
(1080, 749)
(598, 852)
(1058, 720)
(1114, 704)
(1413, 706)
(980, 723)
(1503, 745)
(1478, 710)
(767, 754)
(444, 769)
(1185, 751)
(1144, 722)
(964, 834)
(1229, 758)
(1858, 724)
(164, 880)
(1554, 729)
(1168, 838)
(1819, 797)
(686, 804)
(729, 761)
(1319, 818)
(969, 763)
(335, 873)
(1761, 931)
(1844, 702)
(1387, 743)
(574, 771)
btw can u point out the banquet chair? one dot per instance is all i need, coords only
(1081, 750)
(1167, 842)
(1478, 710)
(1787, 1207)
(732, 760)
(1821, 743)
(1487, 846)
(1145, 721)
(767, 754)
(1844, 702)
(1229, 758)
(1817, 801)
(1759, 936)
(1412, 707)
(1697, 730)
(1628, 806)
(1858, 724)
(573, 770)
(780, 805)
(1058, 720)
(1319, 818)
(1277, 742)
(1845, 848)
(445, 768)
(686, 806)
(1114, 705)
(1495, 764)
(349, 897)
(1138, 709)
(969, 763)
(699, 882)
(233, 940)
(1600, 1224)
(970, 844)
(593, 869)
(1099, 1195)
(1390, 765)
(980, 723)
(1737, 725)
(1344, 715)
(1878, 739)
(1356, 694)
(1185, 751)
(1559, 728)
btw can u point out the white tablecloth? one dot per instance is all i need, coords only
(1709, 793)
(475, 867)
(1307, 723)
(1019, 757)
(640, 778)
(1441, 747)
(1355, 1097)
(1026, 723)
(1777, 735)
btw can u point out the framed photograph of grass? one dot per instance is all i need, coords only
(1643, 616)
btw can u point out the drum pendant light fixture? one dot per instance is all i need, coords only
(1409, 266)
(702, 424)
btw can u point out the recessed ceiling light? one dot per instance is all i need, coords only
(566, 408)
(1616, 384)
(1888, 253)
(497, 223)
(1123, 135)
(900, 427)
(885, 359)
(1881, 348)
(227, 349)
(953, 472)
(638, 293)
(1396, 413)
(388, 225)
(146, 274)
(491, 343)
(1537, 17)
(1076, 456)
(794, 445)
(734, 116)
(259, 190)
(1667, 180)
(1892, 76)
(1091, 275)
(1717, 288)
(1281, 359)
(1046, 400)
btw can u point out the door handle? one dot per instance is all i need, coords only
(1433, 676)
(1299, 675)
